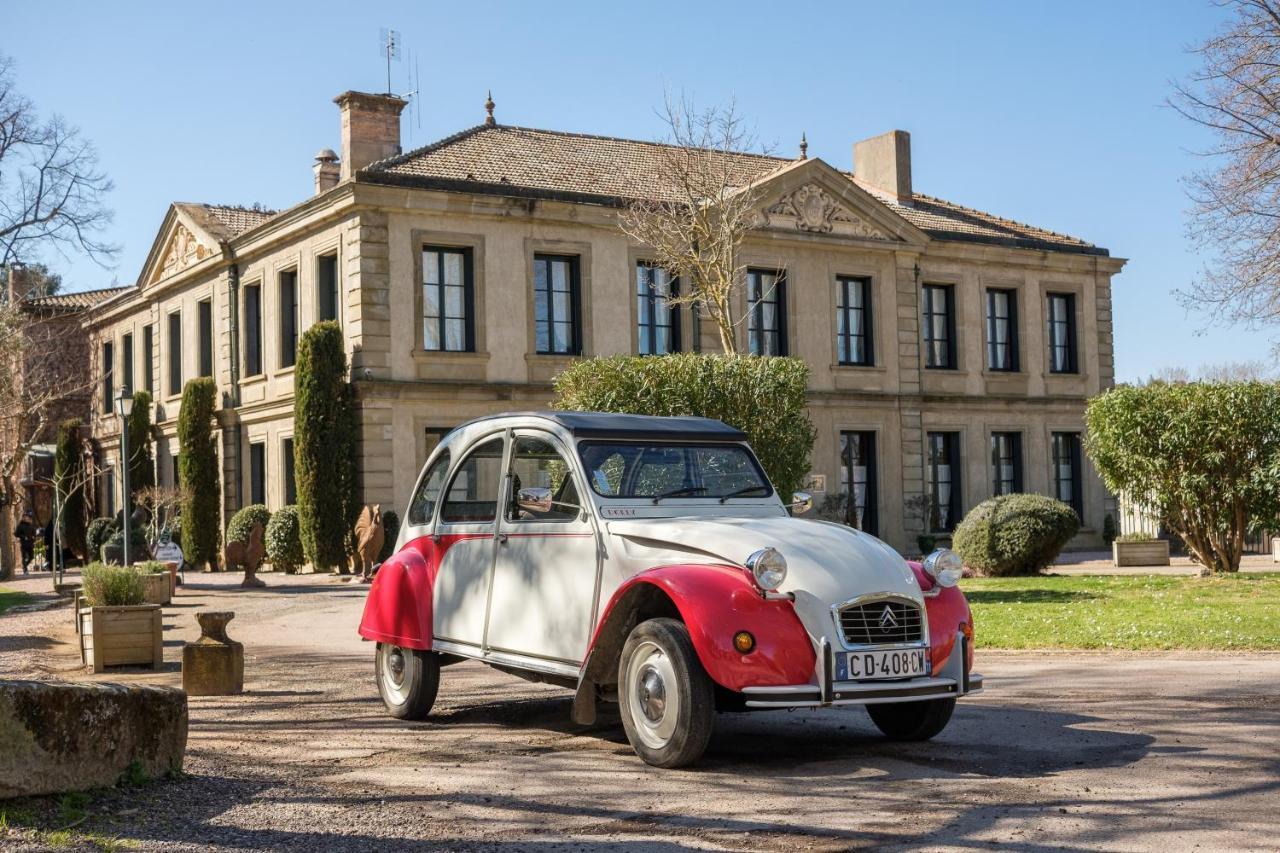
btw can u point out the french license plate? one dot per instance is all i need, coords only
(897, 663)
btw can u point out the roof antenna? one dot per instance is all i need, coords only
(804, 147)
(412, 95)
(488, 108)
(390, 46)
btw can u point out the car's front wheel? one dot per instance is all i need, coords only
(912, 720)
(666, 697)
(408, 680)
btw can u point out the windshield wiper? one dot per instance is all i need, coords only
(743, 491)
(675, 493)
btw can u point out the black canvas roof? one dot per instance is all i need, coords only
(608, 425)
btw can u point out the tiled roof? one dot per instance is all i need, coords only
(225, 221)
(76, 301)
(572, 166)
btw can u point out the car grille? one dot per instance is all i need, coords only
(867, 625)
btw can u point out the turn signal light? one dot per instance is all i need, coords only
(743, 642)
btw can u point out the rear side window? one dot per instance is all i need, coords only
(473, 494)
(423, 505)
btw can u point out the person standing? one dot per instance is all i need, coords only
(25, 533)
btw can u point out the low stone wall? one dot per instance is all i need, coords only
(68, 737)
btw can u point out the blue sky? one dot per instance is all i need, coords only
(1049, 113)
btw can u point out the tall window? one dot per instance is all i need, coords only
(853, 321)
(937, 302)
(257, 473)
(767, 317)
(148, 353)
(206, 337)
(447, 300)
(1006, 463)
(659, 322)
(556, 305)
(253, 330)
(288, 318)
(108, 376)
(1066, 470)
(126, 366)
(1062, 333)
(290, 481)
(109, 486)
(1002, 330)
(858, 479)
(175, 353)
(327, 287)
(944, 480)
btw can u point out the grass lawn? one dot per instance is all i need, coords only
(12, 598)
(1126, 612)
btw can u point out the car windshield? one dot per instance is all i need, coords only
(618, 469)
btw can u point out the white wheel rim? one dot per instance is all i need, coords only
(652, 695)
(392, 669)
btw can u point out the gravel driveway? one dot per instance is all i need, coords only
(1075, 751)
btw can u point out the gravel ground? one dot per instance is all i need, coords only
(1064, 751)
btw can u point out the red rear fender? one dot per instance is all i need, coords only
(398, 609)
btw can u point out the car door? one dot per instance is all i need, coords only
(546, 565)
(465, 537)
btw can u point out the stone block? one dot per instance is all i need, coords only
(214, 664)
(58, 737)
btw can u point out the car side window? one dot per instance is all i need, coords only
(423, 505)
(473, 495)
(542, 487)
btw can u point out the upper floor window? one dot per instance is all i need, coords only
(767, 309)
(1002, 330)
(253, 330)
(853, 321)
(1066, 470)
(148, 354)
(944, 480)
(327, 300)
(175, 353)
(937, 305)
(1062, 333)
(1006, 463)
(659, 321)
(206, 337)
(447, 300)
(126, 368)
(556, 304)
(288, 318)
(108, 376)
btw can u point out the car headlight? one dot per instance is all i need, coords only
(768, 567)
(944, 566)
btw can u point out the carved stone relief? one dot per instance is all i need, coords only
(813, 209)
(184, 250)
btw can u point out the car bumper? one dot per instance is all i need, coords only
(952, 682)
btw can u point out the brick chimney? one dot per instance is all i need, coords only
(884, 163)
(17, 283)
(326, 169)
(370, 129)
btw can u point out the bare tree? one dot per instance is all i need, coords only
(1234, 371)
(1236, 198)
(700, 206)
(51, 189)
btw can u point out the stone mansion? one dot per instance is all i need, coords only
(951, 351)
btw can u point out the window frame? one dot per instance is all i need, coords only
(204, 338)
(950, 440)
(257, 470)
(755, 311)
(456, 469)
(148, 354)
(288, 471)
(844, 335)
(1010, 320)
(871, 514)
(252, 345)
(1075, 458)
(108, 356)
(565, 456)
(1071, 347)
(647, 300)
(287, 356)
(175, 353)
(575, 304)
(468, 298)
(445, 458)
(928, 311)
(334, 290)
(1013, 439)
(126, 363)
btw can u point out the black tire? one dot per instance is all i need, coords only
(659, 668)
(910, 721)
(411, 697)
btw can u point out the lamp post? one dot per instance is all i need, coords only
(124, 408)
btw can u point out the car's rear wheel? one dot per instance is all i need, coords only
(912, 720)
(408, 680)
(666, 698)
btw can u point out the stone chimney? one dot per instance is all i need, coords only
(326, 169)
(17, 283)
(370, 129)
(884, 163)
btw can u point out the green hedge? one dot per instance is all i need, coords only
(763, 397)
(1014, 534)
(68, 472)
(198, 472)
(284, 545)
(241, 524)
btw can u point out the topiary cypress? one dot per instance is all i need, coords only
(142, 468)
(324, 426)
(68, 474)
(198, 472)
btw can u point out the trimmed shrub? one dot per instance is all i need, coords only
(198, 472)
(142, 466)
(100, 530)
(113, 548)
(241, 524)
(763, 397)
(68, 473)
(1014, 534)
(391, 527)
(113, 586)
(324, 443)
(283, 542)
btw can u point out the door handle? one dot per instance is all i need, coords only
(502, 538)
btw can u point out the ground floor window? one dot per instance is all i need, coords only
(1006, 463)
(944, 480)
(1066, 470)
(290, 482)
(858, 479)
(257, 473)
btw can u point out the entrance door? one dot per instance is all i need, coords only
(546, 568)
(465, 530)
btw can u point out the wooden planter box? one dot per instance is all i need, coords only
(159, 588)
(1153, 553)
(121, 636)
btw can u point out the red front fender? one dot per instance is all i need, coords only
(948, 614)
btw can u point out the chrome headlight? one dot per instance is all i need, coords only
(944, 566)
(768, 567)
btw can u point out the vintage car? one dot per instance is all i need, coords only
(648, 561)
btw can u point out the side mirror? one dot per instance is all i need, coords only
(801, 502)
(534, 499)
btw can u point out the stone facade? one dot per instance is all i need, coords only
(818, 225)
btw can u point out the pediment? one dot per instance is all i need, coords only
(180, 245)
(811, 208)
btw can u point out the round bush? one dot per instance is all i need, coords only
(284, 541)
(241, 524)
(1014, 534)
(99, 531)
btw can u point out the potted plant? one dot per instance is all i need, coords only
(117, 627)
(156, 578)
(1139, 549)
